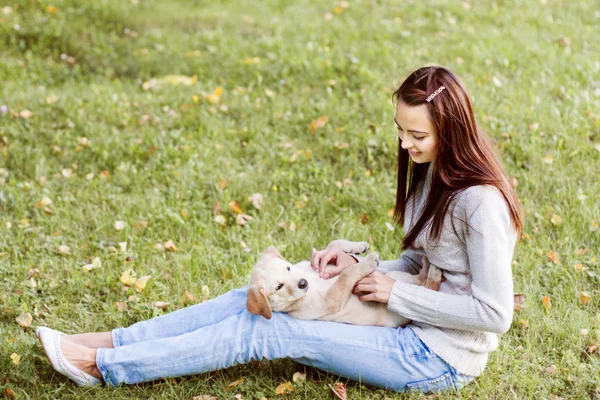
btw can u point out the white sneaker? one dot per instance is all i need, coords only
(51, 343)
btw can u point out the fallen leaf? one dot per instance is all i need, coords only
(123, 246)
(159, 247)
(547, 304)
(524, 323)
(25, 114)
(44, 202)
(141, 282)
(121, 306)
(235, 207)
(15, 358)
(364, 219)
(24, 319)
(233, 384)
(284, 388)
(161, 304)
(582, 251)
(63, 249)
(257, 200)
(518, 299)
(556, 219)
(551, 370)
(128, 277)
(548, 159)
(318, 123)
(238, 397)
(242, 219)
(96, 263)
(583, 332)
(205, 397)
(140, 224)
(597, 146)
(222, 184)
(338, 390)
(205, 291)
(188, 298)
(584, 297)
(169, 245)
(219, 219)
(215, 96)
(578, 267)
(592, 348)
(299, 376)
(553, 257)
(119, 225)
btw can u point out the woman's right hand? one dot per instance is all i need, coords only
(321, 258)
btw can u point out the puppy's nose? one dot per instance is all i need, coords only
(302, 284)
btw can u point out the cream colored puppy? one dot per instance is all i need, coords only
(277, 285)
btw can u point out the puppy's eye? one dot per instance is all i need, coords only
(288, 268)
(279, 286)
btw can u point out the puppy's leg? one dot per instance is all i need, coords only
(339, 293)
(434, 278)
(349, 247)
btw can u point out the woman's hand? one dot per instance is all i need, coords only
(377, 287)
(320, 259)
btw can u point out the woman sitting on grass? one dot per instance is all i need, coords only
(458, 210)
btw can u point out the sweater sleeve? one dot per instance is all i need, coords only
(410, 261)
(490, 241)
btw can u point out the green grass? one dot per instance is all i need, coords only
(164, 154)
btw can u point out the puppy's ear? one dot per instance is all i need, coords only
(257, 302)
(272, 251)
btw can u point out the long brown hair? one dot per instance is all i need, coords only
(465, 156)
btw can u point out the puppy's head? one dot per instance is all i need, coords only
(274, 285)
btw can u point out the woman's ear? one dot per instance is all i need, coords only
(257, 302)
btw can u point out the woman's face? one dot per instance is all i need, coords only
(416, 132)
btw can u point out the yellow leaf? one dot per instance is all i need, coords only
(188, 298)
(161, 304)
(548, 159)
(284, 388)
(63, 249)
(235, 207)
(578, 267)
(257, 200)
(123, 246)
(128, 277)
(547, 304)
(553, 257)
(205, 397)
(51, 9)
(15, 358)
(96, 263)
(584, 297)
(180, 80)
(222, 184)
(25, 114)
(119, 225)
(215, 96)
(140, 283)
(233, 384)
(169, 245)
(524, 323)
(318, 123)
(24, 319)
(195, 99)
(518, 300)
(551, 370)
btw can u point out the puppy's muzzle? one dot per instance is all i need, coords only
(303, 284)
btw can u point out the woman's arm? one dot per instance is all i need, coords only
(410, 261)
(490, 244)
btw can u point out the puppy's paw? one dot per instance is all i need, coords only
(434, 278)
(370, 263)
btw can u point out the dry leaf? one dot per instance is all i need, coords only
(592, 348)
(583, 332)
(597, 146)
(257, 200)
(63, 249)
(364, 219)
(547, 304)
(169, 245)
(15, 358)
(141, 282)
(161, 304)
(299, 376)
(284, 388)
(24, 319)
(235, 207)
(238, 397)
(551, 370)
(219, 219)
(518, 301)
(119, 225)
(205, 397)
(320, 122)
(233, 384)
(548, 159)
(578, 267)
(205, 292)
(140, 224)
(121, 306)
(556, 219)
(188, 298)
(159, 247)
(553, 257)
(222, 184)
(123, 246)
(524, 323)
(25, 114)
(338, 390)
(96, 263)
(584, 297)
(582, 251)
(128, 277)
(215, 96)
(242, 219)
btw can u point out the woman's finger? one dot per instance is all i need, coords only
(368, 297)
(315, 258)
(325, 261)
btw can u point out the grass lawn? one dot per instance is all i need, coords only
(128, 124)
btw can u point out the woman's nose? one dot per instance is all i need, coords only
(406, 144)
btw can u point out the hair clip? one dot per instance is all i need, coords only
(432, 95)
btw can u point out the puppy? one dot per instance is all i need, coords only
(277, 285)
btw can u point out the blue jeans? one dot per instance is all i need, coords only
(221, 333)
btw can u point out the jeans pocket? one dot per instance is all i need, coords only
(440, 383)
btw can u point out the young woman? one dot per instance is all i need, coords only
(458, 210)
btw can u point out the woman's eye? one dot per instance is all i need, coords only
(279, 286)
(420, 138)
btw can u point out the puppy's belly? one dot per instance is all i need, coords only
(357, 312)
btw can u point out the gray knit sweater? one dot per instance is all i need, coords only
(475, 302)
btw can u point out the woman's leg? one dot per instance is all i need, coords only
(172, 324)
(384, 357)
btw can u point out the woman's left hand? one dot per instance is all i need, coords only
(377, 287)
